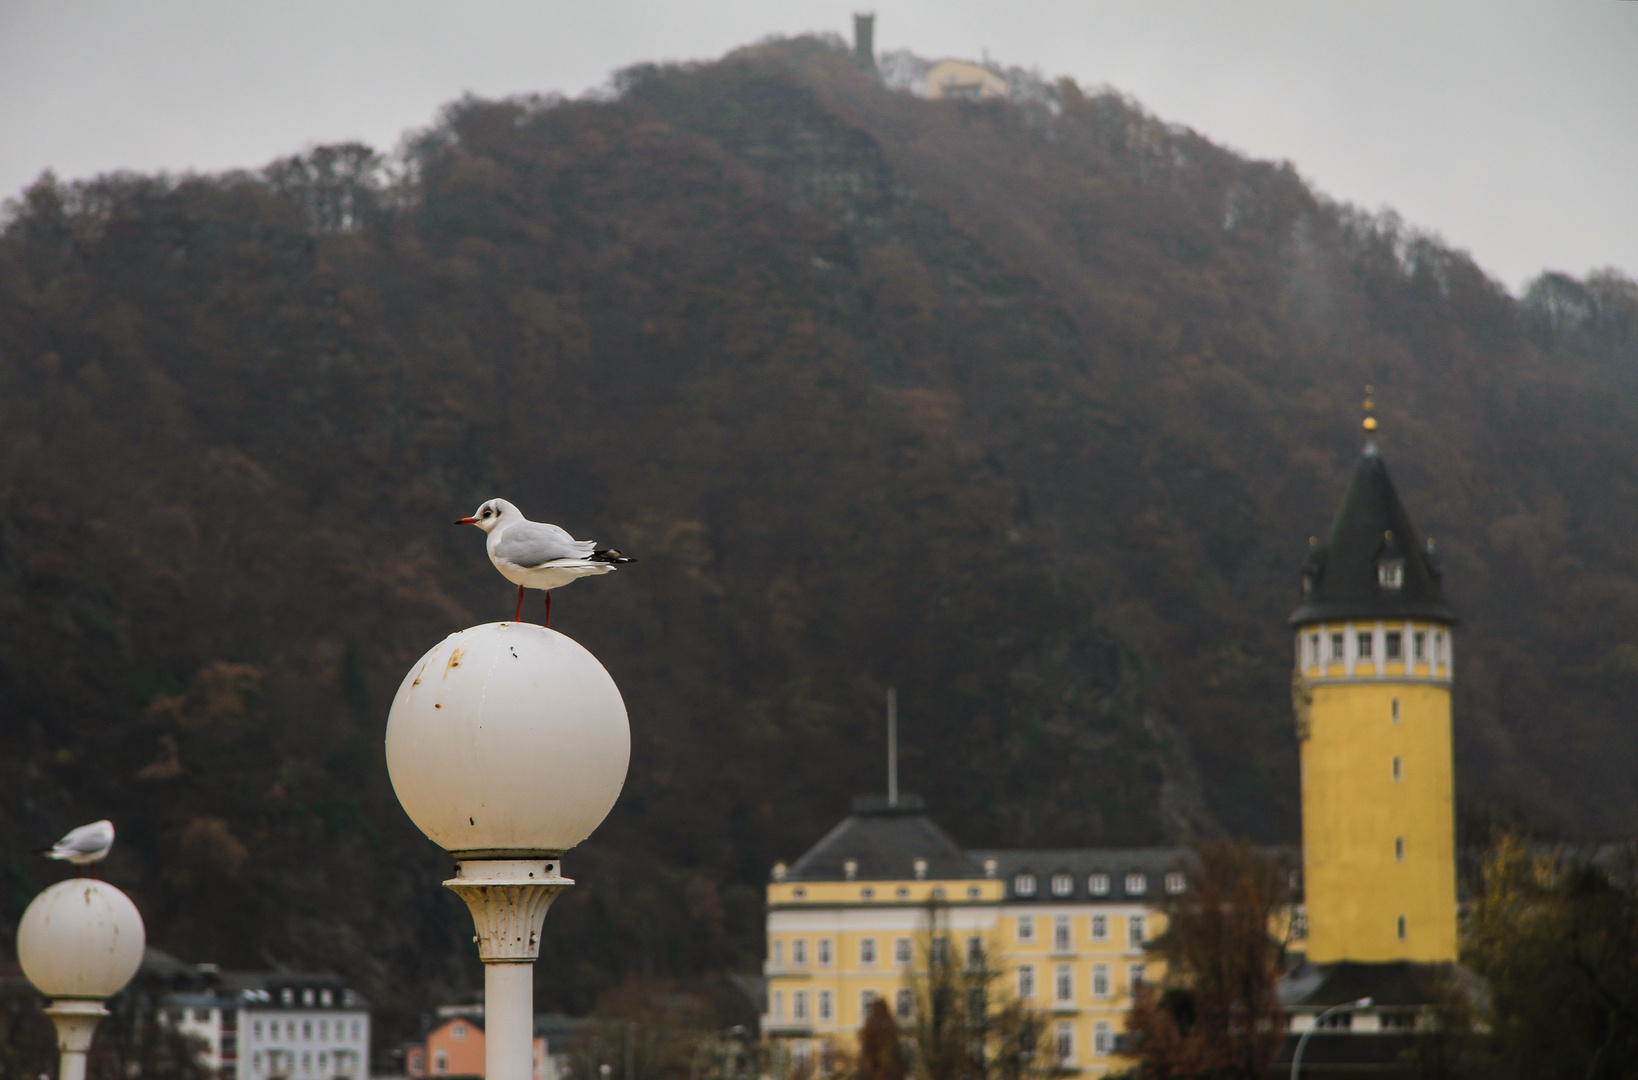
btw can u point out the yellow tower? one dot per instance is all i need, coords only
(1372, 696)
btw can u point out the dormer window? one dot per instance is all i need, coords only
(1024, 885)
(1390, 574)
(1137, 884)
(1062, 884)
(1098, 884)
(1176, 883)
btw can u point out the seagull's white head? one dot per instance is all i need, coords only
(491, 514)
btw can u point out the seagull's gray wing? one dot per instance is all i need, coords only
(87, 838)
(529, 544)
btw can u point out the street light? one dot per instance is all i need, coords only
(507, 744)
(1296, 1056)
(79, 942)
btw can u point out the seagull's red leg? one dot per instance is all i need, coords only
(548, 609)
(519, 616)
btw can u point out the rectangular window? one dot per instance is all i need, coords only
(1103, 1037)
(977, 1005)
(1134, 977)
(1439, 648)
(1026, 928)
(1026, 980)
(941, 950)
(827, 1005)
(901, 950)
(1065, 1040)
(799, 952)
(799, 1005)
(866, 999)
(1134, 932)
(867, 952)
(776, 955)
(1391, 645)
(1062, 884)
(1336, 647)
(1419, 645)
(822, 952)
(905, 1004)
(975, 953)
(777, 1005)
(1100, 928)
(1365, 639)
(1064, 983)
(1060, 933)
(258, 1029)
(801, 1057)
(1098, 884)
(1100, 980)
(1313, 650)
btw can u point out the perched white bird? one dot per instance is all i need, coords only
(85, 845)
(534, 555)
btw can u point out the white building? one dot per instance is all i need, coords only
(275, 1026)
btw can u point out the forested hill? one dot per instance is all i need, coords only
(1026, 408)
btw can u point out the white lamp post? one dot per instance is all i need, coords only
(79, 942)
(507, 744)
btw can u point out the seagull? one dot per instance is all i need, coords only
(85, 845)
(534, 555)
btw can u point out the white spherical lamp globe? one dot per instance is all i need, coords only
(80, 938)
(507, 740)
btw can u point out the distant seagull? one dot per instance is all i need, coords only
(533, 555)
(85, 845)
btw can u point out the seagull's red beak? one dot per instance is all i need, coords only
(466, 521)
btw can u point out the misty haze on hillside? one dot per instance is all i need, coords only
(1026, 407)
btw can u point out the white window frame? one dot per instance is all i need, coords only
(799, 952)
(1026, 928)
(867, 952)
(1137, 884)
(1063, 884)
(866, 998)
(1136, 973)
(904, 1005)
(1063, 1040)
(799, 1005)
(1098, 884)
(1063, 983)
(1026, 982)
(824, 951)
(827, 1007)
(777, 1006)
(1102, 987)
(1136, 927)
(1023, 885)
(1061, 939)
(778, 957)
(1100, 928)
(1103, 1038)
(902, 952)
(1176, 883)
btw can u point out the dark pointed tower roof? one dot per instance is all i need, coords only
(1352, 575)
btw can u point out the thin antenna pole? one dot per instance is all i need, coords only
(892, 746)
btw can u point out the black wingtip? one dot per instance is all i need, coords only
(609, 555)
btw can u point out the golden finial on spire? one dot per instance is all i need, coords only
(1370, 421)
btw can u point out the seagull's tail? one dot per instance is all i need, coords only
(50, 852)
(609, 555)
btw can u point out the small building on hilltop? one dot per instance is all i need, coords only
(965, 80)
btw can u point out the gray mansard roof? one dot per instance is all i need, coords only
(885, 842)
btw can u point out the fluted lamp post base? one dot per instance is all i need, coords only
(76, 1021)
(508, 898)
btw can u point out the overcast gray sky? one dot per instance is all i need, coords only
(1510, 129)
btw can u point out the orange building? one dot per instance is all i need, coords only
(455, 1047)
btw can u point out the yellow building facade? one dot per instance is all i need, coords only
(1374, 664)
(1064, 929)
